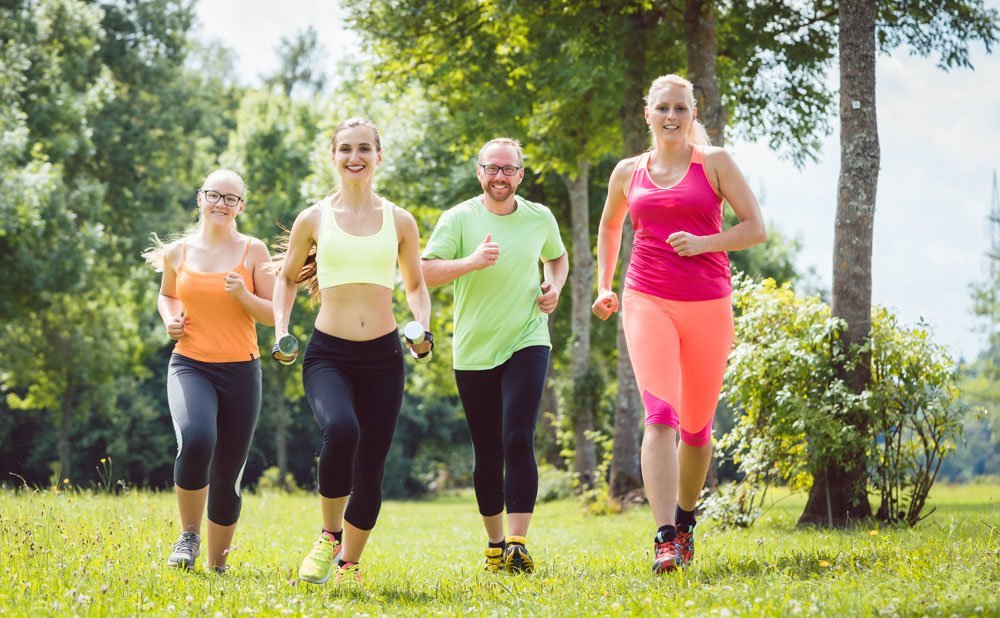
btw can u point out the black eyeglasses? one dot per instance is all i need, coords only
(230, 200)
(508, 170)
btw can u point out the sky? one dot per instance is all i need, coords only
(939, 134)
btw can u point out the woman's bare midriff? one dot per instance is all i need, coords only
(356, 311)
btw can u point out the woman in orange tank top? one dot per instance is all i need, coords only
(214, 289)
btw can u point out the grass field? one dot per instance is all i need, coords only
(71, 553)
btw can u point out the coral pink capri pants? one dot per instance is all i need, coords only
(679, 351)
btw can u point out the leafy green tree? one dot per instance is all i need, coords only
(864, 28)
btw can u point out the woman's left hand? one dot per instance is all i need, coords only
(235, 284)
(685, 244)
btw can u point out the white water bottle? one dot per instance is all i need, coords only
(415, 335)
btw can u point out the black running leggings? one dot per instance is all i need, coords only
(214, 407)
(501, 407)
(355, 389)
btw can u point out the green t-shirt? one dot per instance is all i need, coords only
(496, 313)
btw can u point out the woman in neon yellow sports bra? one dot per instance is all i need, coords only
(345, 249)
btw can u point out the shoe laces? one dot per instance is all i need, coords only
(345, 570)
(187, 544)
(667, 549)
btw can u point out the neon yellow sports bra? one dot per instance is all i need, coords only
(343, 258)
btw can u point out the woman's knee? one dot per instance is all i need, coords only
(340, 433)
(519, 443)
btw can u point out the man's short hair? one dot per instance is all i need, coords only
(504, 141)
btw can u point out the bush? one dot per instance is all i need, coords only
(790, 403)
(553, 483)
(270, 480)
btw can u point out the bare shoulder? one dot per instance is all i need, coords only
(258, 247)
(625, 167)
(172, 254)
(716, 156)
(309, 218)
(401, 217)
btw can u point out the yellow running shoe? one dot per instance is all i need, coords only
(349, 573)
(516, 558)
(494, 559)
(318, 563)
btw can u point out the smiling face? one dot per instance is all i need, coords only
(356, 153)
(224, 183)
(670, 113)
(498, 186)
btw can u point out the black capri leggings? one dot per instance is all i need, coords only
(355, 389)
(501, 407)
(214, 407)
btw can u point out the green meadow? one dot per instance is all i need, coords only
(92, 554)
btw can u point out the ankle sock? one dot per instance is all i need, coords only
(685, 518)
(502, 544)
(665, 534)
(338, 536)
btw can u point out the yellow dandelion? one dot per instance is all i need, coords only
(824, 564)
(65, 481)
(873, 533)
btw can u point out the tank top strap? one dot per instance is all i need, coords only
(698, 155)
(246, 252)
(637, 171)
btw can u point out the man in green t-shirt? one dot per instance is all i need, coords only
(490, 246)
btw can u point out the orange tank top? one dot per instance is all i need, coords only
(218, 328)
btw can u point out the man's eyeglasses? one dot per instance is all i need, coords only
(230, 200)
(508, 170)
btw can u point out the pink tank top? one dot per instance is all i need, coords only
(692, 206)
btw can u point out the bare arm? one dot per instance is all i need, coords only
(301, 239)
(170, 307)
(258, 302)
(417, 296)
(730, 183)
(555, 272)
(439, 272)
(609, 238)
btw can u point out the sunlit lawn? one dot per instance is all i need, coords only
(75, 553)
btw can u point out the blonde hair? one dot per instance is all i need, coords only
(156, 255)
(696, 134)
(504, 141)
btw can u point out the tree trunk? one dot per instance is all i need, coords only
(700, 45)
(699, 40)
(581, 278)
(68, 405)
(839, 493)
(281, 430)
(548, 415)
(626, 472)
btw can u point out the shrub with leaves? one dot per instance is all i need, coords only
(783, 386)
(789, 402)
(916, 416)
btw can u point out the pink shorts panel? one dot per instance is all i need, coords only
(679, 351)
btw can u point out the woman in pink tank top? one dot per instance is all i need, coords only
(676, 306)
